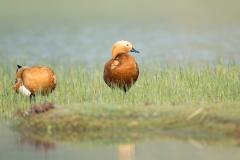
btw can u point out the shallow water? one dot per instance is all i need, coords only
(83, 32)
(16, 146)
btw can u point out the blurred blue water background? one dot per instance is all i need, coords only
(83, 32)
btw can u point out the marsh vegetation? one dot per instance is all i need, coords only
(182, 98)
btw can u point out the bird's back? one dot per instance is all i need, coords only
(39, 79)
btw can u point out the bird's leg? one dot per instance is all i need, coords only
(125, 92)
(32, 98)
(125, 89)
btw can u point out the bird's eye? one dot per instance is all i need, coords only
(127, 45)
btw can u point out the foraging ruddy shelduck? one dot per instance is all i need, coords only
(122, 70)
(31, 80)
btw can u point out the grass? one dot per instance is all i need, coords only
(168, 86)
(158, 85)
(189, 98)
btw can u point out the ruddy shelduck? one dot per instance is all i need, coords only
(122, 70)
(33, 80)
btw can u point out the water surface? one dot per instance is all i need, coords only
(17, 146)
(77, 32)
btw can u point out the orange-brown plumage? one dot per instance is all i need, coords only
(31, 80)
(122, 70)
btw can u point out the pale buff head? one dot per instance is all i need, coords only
(122, 47)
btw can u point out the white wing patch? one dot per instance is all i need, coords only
(24, 91)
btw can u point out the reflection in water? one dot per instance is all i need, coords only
(195, 143)
(126, 152)
(115, 145)
(38, 144)
(238, 134)
(122, 150)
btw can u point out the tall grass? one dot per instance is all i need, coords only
(158, 85)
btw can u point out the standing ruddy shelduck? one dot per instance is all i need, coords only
(122, 70)
(31, 80)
